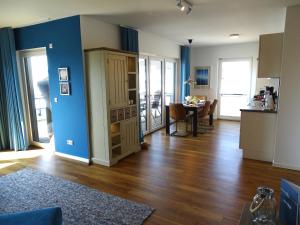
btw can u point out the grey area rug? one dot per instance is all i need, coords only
(30, 189)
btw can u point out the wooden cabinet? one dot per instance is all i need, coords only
(114, 125)
(270, 55)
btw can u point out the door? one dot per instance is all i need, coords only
(143, 92)
(35, 83)
(234, 87)
(118, 82)
(129, 133)
(156, 93)
(170, 75)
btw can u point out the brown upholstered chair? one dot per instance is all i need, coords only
(202, 115)
(178, 113)
(212, 111)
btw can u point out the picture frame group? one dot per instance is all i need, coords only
(64, 84)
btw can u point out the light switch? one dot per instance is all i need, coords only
(55, 100)
(50, 45)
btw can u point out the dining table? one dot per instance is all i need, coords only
(194, 108)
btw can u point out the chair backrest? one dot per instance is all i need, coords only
(201, 97)
(204, 112)
(156, 99)
(177, 111)
(213, 107)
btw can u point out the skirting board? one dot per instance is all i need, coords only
(100, 162)
(73, 157)
(290, 167)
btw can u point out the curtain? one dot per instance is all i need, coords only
(12, 133)
(129, 39)
(185, 71)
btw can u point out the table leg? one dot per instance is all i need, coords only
(211, 119)
(167, 120)
(195, 122)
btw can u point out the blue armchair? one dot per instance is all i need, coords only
(49, 216)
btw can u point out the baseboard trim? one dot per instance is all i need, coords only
(285, 166)
(100, 162)
(72, 157)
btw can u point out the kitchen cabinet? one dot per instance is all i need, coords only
(270, 55)
(258, 134)
(112, 84)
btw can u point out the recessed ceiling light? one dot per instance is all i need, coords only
(184, 5)
(234, 36)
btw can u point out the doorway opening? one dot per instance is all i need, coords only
(35, 77)
(235, 77)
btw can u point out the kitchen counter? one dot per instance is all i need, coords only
(258, 109)
(258, 134)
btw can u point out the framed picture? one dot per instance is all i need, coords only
(64, 88)
(63, 74)
(202, 76)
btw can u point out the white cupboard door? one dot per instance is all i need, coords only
(118, 81)
(129, 135)
(270, 55)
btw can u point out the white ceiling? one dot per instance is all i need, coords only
(209, 24)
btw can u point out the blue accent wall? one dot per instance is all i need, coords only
(69, 114)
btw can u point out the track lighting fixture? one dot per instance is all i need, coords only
(184, 6)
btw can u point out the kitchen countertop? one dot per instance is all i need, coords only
(257, 109)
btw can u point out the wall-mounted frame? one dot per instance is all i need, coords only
(63, 74)
(202, 76)
(64, 88)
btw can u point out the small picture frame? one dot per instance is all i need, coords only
(202, 77)
(64, 88)
(63, 74)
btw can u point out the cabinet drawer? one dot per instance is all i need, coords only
(121, 114)
(133, 111)
(113, 116)
(127, 113)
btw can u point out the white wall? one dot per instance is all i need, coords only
(209, 56)
(287, 152)
(96, 33)
(155, 45)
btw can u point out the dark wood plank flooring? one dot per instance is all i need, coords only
(201, 180)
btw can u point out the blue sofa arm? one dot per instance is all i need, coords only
(49, 216)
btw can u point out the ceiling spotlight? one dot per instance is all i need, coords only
(189, 11)
(180, 6)
(184, 5)
(234, 36)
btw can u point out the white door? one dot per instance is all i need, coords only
(234, 87)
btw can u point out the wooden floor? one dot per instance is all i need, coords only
(201, 180)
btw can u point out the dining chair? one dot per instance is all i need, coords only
(202, 114)
(155, 104)
(178, 114)
(211, 112)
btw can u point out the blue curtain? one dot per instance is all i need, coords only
(12, 127)
(185, 71)
(129, 39)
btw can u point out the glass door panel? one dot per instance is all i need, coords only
(37, 83)
(155, 83)
(235, 86)
(170, 73)
(143, 94)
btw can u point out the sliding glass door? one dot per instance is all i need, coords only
(157, 88)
